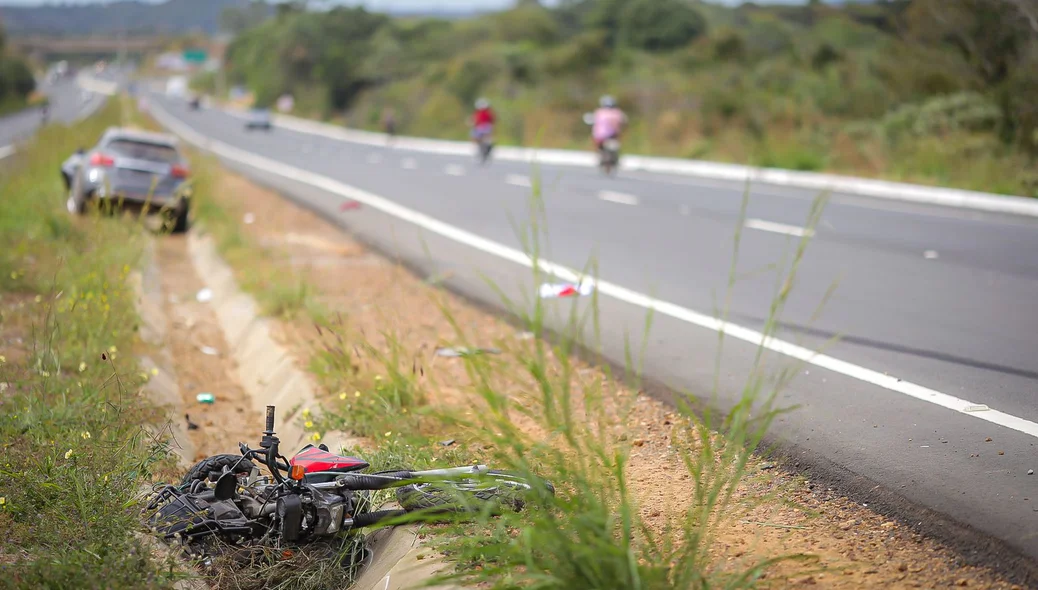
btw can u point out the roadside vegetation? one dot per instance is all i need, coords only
(16, 79)
(73, 451)
(920, 90)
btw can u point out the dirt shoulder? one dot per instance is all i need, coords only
(854, 547)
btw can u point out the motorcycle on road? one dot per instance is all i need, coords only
(608, 152)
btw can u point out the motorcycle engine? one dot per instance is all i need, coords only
(313, 513)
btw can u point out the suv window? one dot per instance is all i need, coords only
(143, 150)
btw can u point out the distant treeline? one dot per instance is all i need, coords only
(16, 79)
(927, 90)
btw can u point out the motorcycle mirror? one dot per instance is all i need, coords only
(225, 486)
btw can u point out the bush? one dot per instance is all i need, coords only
(585, 52)
(661, 25)
(965, 111)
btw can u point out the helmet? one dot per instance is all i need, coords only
(607, 102)
(482, 104)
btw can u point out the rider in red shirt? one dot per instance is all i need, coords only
(482, 120)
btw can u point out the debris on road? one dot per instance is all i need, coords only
(349, 206)
(190, 425)
(930, 254)
(204, 295)
(206, 398)
(447, 443)
(976, 408)
(557, 290)
(767, 466)
(209, 350)
(249, 219)
(462, 351)
(1030, 472)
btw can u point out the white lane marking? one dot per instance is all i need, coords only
(779, 228)
(374, 158)
(518, 180)
(615, 197)
(409, 164)
(931, 254)
(888, 382)
(454, 170)
(6, 151)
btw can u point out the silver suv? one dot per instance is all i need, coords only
(131, 169)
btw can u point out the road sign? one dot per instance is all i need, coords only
(195, 56)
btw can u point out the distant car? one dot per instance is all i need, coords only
(134, 170)
(258, 119)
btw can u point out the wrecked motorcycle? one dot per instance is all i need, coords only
(224, 502)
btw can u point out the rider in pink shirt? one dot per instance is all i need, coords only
(608, 123)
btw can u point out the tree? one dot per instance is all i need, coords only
(238, 19)
(660, 25)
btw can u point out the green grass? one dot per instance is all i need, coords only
(74, 452)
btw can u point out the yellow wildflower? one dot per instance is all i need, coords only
(39, 298)
(112, 349)
(309, 424)
(316, 437)
(3, 359)
(306, 412)
(82, 366)
(356, 394)
(85, 434)
(68, 454)
(154, 372)
(342, 395)
(390, 433)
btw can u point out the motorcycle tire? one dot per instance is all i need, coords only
(215, 464)
(497, 488)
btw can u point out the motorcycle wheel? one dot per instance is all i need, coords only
(496, 488)
(215, 464)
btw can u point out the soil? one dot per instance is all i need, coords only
(193, 332)
(853, 547)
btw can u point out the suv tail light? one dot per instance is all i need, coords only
(180, 171)
(99, 159)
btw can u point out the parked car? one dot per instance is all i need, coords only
(258, 119)
(131, 169)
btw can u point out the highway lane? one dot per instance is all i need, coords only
(939, 297)
(68, 102)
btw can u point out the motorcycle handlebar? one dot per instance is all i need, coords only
(270, 419)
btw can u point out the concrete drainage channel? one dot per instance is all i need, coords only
(267, 373)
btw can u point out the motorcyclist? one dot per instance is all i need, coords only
(482, 121)
(609, 121)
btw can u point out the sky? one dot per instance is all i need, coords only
(380, 4)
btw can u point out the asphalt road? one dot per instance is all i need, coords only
(937, 297)
(67, 103)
